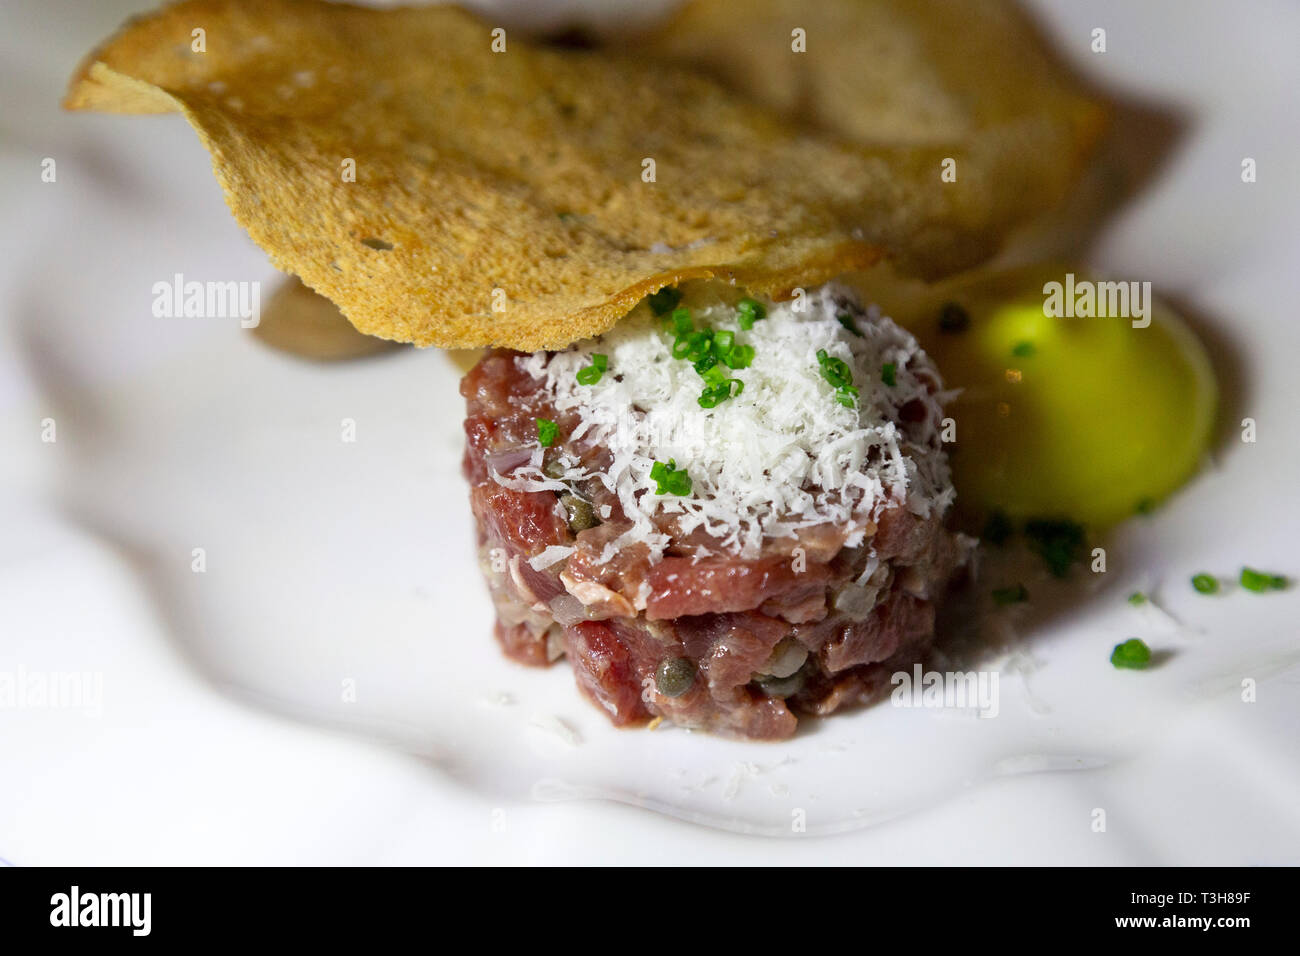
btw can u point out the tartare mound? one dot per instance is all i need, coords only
(794, 560)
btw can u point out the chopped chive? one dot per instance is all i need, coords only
(848, 322)
(749, 311)
(997, 529)
(1253, 580)
(669, 479)
(953, 318)
(704, 365)
(889, 373)
(692, 345)
(715, 375)
(1205, 583)
(1058, 541)
(1137, 599)
(701, 343)
(712, 352)
(1014, 595)
(836, 371)
(840, 376)
(1259, 581)
(546, 432)
(739, 356)
(1132, 654)
(712, 397)
(665, 300)
(1023, 349)
(592, 373)
(717, 393)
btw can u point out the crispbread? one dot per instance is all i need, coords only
(499, 197)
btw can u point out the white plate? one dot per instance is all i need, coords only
(340, 590)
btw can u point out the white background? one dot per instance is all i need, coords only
(222, 736)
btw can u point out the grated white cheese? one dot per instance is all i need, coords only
(781, 456)
(551, 555)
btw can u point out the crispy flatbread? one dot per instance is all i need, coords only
(890, 73)
(501, 198)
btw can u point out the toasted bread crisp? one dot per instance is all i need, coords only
(923, 79)
(444, 193)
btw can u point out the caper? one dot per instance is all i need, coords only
(579, 511)
(786, 658)
(675, 676)
(780, 686)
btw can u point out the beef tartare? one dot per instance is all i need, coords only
(724, 512)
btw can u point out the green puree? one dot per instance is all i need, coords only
(1084, 417)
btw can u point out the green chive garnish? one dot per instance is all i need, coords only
(846, 320)
(693, 345)
(707, 364)
(836, 371)
(1023, 349)
(953, 318)
(1014, 595)
(669, 479)
(665, 300)
(749, 311)
(1137, 599)
(997, 529)
(1259, 581)
(739, 356)
(1206, 583)
(1059, 542)
(712, 352)
(718, 392)
(716, 375)
(592, 373)
(546, 432)
(889, 373)
(713, 396)
(1133, 654)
